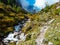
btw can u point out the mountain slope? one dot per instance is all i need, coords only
(11, 16)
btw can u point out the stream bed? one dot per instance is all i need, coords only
(17, 34)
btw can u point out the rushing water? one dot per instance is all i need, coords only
(16, 33)
(20, 25)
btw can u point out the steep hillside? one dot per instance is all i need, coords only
(10, 16)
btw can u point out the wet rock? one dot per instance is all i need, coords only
(22, 37)
(50, 43)
(10, 38)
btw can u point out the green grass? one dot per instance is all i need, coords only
(29, 42)
(53, 33)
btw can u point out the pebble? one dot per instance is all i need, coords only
(50, 43)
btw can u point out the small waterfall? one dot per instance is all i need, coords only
(18, 27)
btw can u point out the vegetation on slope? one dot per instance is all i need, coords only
(53, 33)
(11, 15)
(9, 18)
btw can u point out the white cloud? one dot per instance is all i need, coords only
(50, 2)
(40, 3)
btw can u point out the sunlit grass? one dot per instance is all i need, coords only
(53, 33)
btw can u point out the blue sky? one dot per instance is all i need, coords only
(31, 1)
(40, 4)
